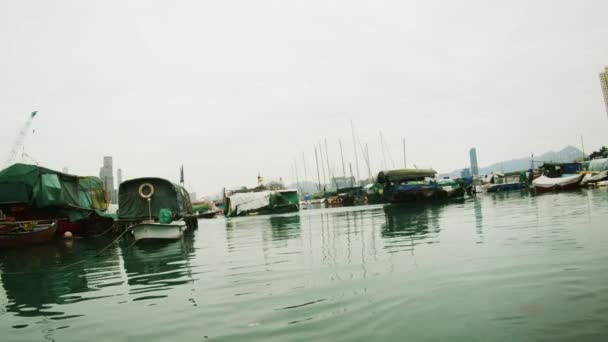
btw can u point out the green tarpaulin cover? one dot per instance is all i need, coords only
(404, 175)
(598, 165)
(133, 206)
(41, 188)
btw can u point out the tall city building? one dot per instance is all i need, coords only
(118, 177)
(604, 82)
(106, 173)
(118, 181)
(474, 167)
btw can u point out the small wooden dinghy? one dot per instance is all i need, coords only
(20, 234)
(162, 231)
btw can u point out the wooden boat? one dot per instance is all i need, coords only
(208, 214)
(544, 183)
(20, 235)
(163, 231)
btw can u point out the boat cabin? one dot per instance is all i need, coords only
(556, 170)
(143, 198)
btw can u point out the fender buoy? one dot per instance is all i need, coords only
(150, 187)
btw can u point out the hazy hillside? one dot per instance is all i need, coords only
(567, 154)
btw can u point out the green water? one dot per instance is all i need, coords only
(497, 268)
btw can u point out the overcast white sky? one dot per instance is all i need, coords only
(233, 88)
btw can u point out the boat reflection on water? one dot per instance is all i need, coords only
(285, 227)
(38, 280)
(416, 223)
(154, 266)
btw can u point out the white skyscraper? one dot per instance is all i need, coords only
(604, 83)
(474, 167)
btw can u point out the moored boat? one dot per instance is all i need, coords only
(262, 203)
(407, 185)
(559, 176)
(544, 183)
(348, 193)
(153, 230)
(154, 208)
(208, 214)
(20, 234)
(498, 182)
(35, 193)
(205, 209)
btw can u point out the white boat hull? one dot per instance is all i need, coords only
(546, 183)
(171, 231)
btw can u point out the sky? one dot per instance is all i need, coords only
(233, 89)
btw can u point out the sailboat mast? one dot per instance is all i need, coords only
(583, 147)
(295, 165)
(305, 168)
(352, 127)
(322, 165)
(329, 171)
(385, 167)
(404, 157)
(342, 155)
(369, 168)
(318, 174)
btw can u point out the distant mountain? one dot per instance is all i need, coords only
(567, 154)
(305, 186)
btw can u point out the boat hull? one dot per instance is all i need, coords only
(544, 183)
(22, 239)
(158, 231)
(207, 215)
(504, 187)
(409, 193)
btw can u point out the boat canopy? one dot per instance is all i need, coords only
(344, 182)
(598, 165)
(559, 169)
(242, 203)
(133, 199)
(42, 188)
(405, 175)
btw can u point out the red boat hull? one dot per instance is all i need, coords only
(21, 239)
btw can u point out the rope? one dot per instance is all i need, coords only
(104, 233)
(119, 236)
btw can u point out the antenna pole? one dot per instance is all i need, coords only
(150, 208)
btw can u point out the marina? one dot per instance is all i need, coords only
(303, 171)
(507, 266)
